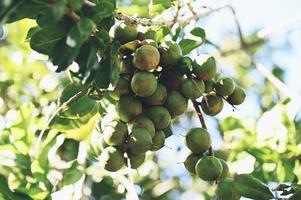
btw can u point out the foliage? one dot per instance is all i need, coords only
(54, 150)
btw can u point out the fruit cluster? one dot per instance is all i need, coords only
(156, 81)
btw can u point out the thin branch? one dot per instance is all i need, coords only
(202, 120)
(81, 93)
(276, 82)
(142, 21)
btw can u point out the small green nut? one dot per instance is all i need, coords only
(159, 115)
(139, 141)
(125, 33)
(226, 191)
(146, 57)
(209, 168)
(171, 56)
(144, 84)
(144, 122)
(224, 86)
(193, 89)
(112, 159)
(158, 140)
(122, 87)
(127, 66)
(176, 103)
(212, 104)
(173, 82)
(237, 97)
(191, 161)
(115, 133)
(135, 160)
(128, 107)
(198, 140)
(209, 86)
(158, 98)
(225, 174)
(207, 70)
(183, 66)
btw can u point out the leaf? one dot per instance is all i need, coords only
(161, 33)
(8, 194)
(44, 41)
(87, 57)
(58, 9)
(80, 32)
(79, 106)
(193, 40)
(103, 10)
(158, 6)
(62, 55)
(83, 133)
(73, 174)
(252, 188)
(31, 32)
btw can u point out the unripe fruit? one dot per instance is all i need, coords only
(193, 89)
(112, 159)
(226, 191)
(173, 82)
(224, 86)
(212, 104)
(158, 98)
(144, 84)
(191, 161)
(125, 33)
(176, 103)
(160, 116)
(183, 66)
(146, 58)
(171, 56)
(144, 123)
(207, 70)
(198, 140)
(128, 108)
(135, 160)
(139, 141)
(225, 172)
(209, 85)
(209, 168)
(167, 131)
(122, 87)
(149, 42)
(237, 97)
(127, 66)
(115, 133)
(158, 140)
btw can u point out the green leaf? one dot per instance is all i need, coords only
(80, 32)
(80, 106)
(250, 187)
(161, 33)
(8, 194)
(44, 41)
(21, 9)
(103, 10)
(193, 40)
(62, 55)
(73, 174)
(158, 6)
(31, 32)
(58, 9)
(87, 57)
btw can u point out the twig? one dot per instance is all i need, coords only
(81, 93)
(202, 120)
(276, 82)
(141, 21)
(72, 15)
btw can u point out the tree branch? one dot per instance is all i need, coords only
(202, 120)
(81, 93)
